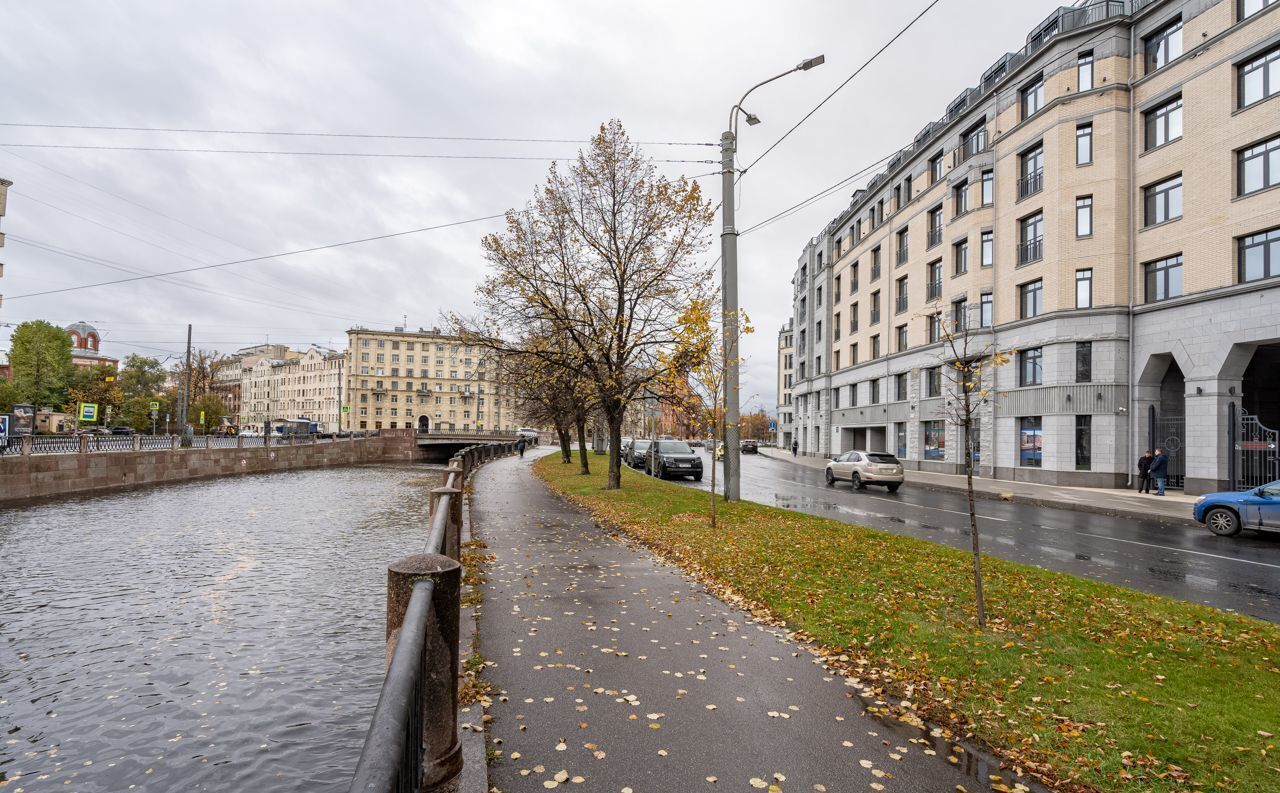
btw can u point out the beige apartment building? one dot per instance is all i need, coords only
(423, 380)
(786, 376)
(279, 383)
(1103, 202)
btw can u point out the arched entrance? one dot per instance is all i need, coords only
(1255, 428)
(424, 424)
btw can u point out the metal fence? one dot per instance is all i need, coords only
(54, 444)
(151, 443)
(412, 743)
(76, 444)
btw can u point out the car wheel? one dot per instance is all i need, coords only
(662, 472)
(857, 482)
(831, 478)
(894, 488)
(1222, 522)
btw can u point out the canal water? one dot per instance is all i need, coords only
(217, 635)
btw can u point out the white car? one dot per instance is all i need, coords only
(861, 468)
(250, 433)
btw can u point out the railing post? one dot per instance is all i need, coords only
(452, 546)
(438, 708)
(28, 445)
(239, 441)
(137, 443)
(173, 442)
(84, 444)
(208, 442)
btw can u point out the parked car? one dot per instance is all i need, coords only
(750, 447)
(638, 452)
(624, 447)
(866, 468)
(676, 458)
(1225, 514)
(123, 431)
(250, 432)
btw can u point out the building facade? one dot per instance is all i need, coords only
(279, 383)
(425, 380)
(5, 184)
(786, 377)
(1103, 206)
(85, 341)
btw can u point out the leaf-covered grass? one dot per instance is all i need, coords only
(1088, 685)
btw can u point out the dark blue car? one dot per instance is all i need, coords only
(1227, 513)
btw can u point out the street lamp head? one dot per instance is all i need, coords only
(752, 119)
(817, 60)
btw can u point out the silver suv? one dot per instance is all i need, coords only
(866, 468)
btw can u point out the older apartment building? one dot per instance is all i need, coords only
(279, 383)
(1103, 203)
(424, 380)
(786, 376)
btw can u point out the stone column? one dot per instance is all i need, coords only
(1208, 444)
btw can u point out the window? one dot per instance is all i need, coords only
(1259, 78)
(875, 307)
(900, 436)
(875, 263)
(875, 392)
(1084, 71)
(1164, 278)
(901, 333)
(960, 193)
(835, 297)
(1084, 442)
(935, 326)
(1031, 247)
(935, 280)
(1031, 367)
(906, 188)
(835, 329)
(900, 387)
(901, 304)
(1258, 167)
(835, 395)
(988, 188)
(1029, 441)
(1084, 288)
(1031, 299)
(973, 141)
(1260, 255)
(1084, 362)
(1032, 170)
(817, 298)
(1163, 46)
(853, 395)
(960, 257)
(960, 315)
(933, 382)
(1163, 201)
(935, 226)
(935, 440)
(853, 278)
(897, 198)
(1084, 216)
(1084, 144)
(1164, 123)
(1250, 7)
(875, 346)
(1033, 97)
(853, 361)
(988, 248)
(853, 318)
(902, 246)
(817, 365)
(935, 168)
(987, 313)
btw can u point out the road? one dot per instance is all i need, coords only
(1238, 574)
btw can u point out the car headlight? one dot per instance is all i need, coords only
(1202, 498)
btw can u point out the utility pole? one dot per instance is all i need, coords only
(186, 395)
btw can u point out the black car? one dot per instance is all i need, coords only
(123, 431)
(638, 452)
(676, 458)
(750, 447)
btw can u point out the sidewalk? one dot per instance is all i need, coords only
(1173, 508)
(614, 671)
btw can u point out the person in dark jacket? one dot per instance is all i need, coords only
(520, 444)
(1160, 470)
(1144, 472)
(795, 447)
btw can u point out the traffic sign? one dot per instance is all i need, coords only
(346, 408)
(155, 404)
(773, 425)
(202, 417)
(88, 411)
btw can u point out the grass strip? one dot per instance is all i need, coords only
(1087, 685)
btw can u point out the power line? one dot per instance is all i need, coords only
(849, 79)
(386, 155)
(260, 258)
(819, 195)
(356, 135)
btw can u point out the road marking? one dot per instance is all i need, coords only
(894, 501)
(1180, 550)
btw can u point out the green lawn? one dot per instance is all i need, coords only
(1097, 686)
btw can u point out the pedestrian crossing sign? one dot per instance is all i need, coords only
(155, 405)
(346, 408)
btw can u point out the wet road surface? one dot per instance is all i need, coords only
(617, 673)
(1239, 573)
(211, 636)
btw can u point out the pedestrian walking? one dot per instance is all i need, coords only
(1160, 470)
(1144, 472)
(795, 448)
(520, 445)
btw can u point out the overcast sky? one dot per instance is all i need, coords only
(668, 70)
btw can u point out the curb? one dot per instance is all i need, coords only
(475, 765)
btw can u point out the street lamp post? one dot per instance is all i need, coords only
(729, 282)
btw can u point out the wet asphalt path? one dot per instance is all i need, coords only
(614, 673)
(1239, 573)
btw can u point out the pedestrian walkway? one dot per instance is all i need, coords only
(1171, 507)
(615, 673)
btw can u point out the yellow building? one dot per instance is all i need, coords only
(423, 380)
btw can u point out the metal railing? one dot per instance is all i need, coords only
(934, 290)
(511, 434)
(900, 305)
(1031, 250)
(152, 443)
(54, 444)
(1031, 184)
(902, 255)
(935, 236)
(90, 443)
(412, 743)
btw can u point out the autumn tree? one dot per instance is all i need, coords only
(756, 425)
(40, 359)
(97, 385)
(141, 376)
(605, 257)
(966, 380)
(546, 391)
(204, 365)
(213, 408)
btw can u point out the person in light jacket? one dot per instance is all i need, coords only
(1160, 470)
(1144, 472)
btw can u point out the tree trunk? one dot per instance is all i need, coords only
(614, 415)
(973, 514)
(581, 422)
(562, 434)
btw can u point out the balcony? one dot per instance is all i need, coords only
(972, 147)
(1031, 251)
(875, 271)
(935, 290)
(902, 255)
(875, 316)
(1031, 184)
(935, 236)
(900, 305)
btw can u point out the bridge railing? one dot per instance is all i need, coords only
(412, 743)
(16, 445)
(470, 433)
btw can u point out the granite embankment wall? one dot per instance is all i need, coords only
(45, 475)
